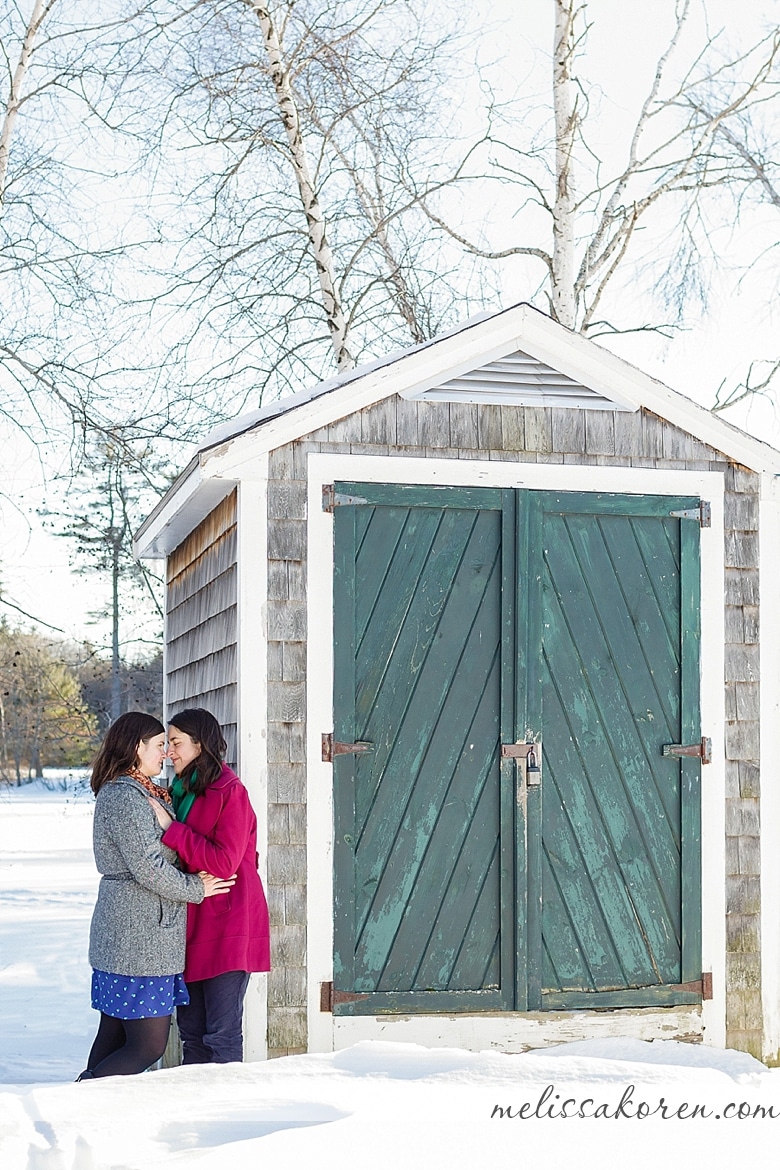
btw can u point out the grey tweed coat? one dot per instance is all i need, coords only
(140, 920)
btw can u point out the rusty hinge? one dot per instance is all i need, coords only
(330, 996)
(701, 750)
(703, 514)
(333, 747)
(702, 987)
(332, 499)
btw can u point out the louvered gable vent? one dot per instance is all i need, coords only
(518, 380)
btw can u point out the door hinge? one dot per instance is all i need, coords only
(332, 499)
(701, 750)
(702, 987)
(330, 996)
(333, 747)
(703, 514)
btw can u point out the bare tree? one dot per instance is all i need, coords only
(33, 253)
(288, 107)
(68, 339)
(681, 149)
(300, 139)
(14, 99)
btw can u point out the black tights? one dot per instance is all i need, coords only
(127, 1046)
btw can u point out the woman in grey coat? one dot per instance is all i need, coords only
(136, 940)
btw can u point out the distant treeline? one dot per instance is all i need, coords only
(55, 700)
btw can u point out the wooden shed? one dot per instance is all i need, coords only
(482, 622)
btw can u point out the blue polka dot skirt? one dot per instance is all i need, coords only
(127, 997)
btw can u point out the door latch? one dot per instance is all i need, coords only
(530, 754)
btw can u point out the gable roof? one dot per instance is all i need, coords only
(536, 358)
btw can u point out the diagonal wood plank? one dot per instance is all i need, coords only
(611, 697)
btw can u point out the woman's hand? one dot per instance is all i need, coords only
(163, 816)
(214, 885)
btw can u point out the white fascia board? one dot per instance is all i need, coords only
(188, 502)
(572, 354)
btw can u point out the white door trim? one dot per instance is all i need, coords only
(512, 1031)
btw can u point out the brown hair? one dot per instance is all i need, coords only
(202, 728)
(118, 753)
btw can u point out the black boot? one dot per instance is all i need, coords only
(86, 1075)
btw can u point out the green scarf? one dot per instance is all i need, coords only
(182, 800)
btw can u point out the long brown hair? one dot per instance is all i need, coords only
(202, 728)
(118, 754)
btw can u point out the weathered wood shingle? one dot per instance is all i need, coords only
(461, 430)
(201, 662)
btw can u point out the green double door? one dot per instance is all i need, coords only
(468, 624)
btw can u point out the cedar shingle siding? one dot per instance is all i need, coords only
(201, 651)
(540, 435)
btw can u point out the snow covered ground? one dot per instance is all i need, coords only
(616, 1103)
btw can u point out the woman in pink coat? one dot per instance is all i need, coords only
(215, 821)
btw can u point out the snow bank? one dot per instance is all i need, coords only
(381, 1106)
(384, 1105)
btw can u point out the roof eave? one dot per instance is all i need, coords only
(188, 501)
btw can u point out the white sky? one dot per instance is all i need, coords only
(740, 324)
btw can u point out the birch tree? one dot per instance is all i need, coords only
(26, 188)
(677, 172)
(318, 129)
(288, 107)
(41, 10)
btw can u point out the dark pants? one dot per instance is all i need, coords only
(210, 1025)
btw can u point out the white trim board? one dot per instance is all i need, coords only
(491, 339)
(327, 1032)
(769, 675)
(252, 564)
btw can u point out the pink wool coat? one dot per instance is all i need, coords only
(228, 932)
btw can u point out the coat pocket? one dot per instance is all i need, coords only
(220, 903)
(171, 913)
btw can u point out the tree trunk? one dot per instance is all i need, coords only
(564, 303)
(315, 219)
(40, 11)
(116, 679)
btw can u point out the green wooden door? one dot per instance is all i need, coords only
(468, 618)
